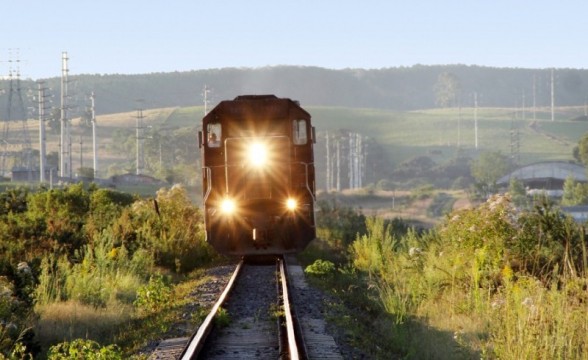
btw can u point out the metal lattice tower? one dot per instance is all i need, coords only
(15, 142)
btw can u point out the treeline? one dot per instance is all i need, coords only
(401, 88)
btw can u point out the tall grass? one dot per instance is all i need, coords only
(466, 278)
(104, 274)
(91, 297)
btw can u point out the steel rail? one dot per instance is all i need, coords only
(197, 340)
(292, 344)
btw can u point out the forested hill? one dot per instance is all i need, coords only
(402, 88)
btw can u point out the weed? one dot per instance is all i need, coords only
(222, 318)
(276, 311)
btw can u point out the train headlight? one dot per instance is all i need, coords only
(228, 206)
(258, 154)
(291, 204)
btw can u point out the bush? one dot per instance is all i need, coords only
(84, 349)
(173, 228)
(320, 268)
(154, 296)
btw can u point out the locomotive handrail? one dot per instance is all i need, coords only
(208, 185)
(306, 165)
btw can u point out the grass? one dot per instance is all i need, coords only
(455, 298)
(64, 321)
(117, 322)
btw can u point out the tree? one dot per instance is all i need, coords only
(582, 150)
(447, 89)
(488, 168)
(574, 193)
(86, 172)
(517, 191)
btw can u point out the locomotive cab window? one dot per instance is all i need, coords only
(214, 131)
(299, 132)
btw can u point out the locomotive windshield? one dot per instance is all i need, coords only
(299, 136)
(214, 131)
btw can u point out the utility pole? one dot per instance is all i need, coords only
(42, 137)
(524, 106)
(338, 161)
(552, 96)
(534, 98)
(81, 151)
(65, 141)
(328, 162)
(94, 144)
(206, 91)
(139, 137)
(459, 127)
(476, 118)
(350, 160)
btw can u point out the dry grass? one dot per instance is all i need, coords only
(69, 320)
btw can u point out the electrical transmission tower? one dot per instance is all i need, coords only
(15, 142)
(140, 138)
(41, 97)
(65, 136)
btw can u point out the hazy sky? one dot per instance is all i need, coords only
(143, 36)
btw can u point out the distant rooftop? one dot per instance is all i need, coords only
(556, 170)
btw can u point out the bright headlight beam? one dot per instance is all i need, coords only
(291, 204)
(228, 206)
(257, 154)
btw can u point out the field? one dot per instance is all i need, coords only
(438, 133)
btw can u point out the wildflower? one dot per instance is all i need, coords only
(414, 251)
(528, 302)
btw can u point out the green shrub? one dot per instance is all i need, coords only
(173, 228)
(84, 349)
(320, 268)
(154, 296)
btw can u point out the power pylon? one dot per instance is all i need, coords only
(15, 142)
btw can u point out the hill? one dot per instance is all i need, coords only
(401, 89)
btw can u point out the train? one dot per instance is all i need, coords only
(258, 176)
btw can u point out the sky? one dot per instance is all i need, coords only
(148, 36)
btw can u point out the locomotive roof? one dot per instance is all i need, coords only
(250, 101)
(255, 97)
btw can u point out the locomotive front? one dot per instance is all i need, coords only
(258, 176)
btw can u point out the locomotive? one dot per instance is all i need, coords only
(258, 176)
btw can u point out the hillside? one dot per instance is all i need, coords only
(401, 89)
(400, 135)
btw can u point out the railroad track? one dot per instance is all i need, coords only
(251, 319)
(257, 307)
